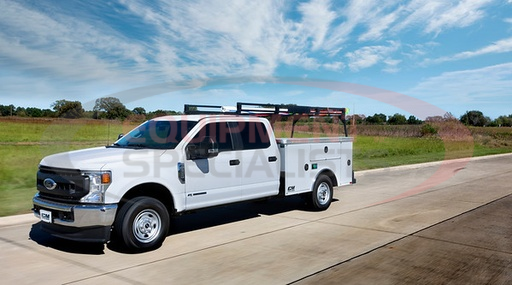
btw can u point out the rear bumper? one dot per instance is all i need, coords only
(82, 222)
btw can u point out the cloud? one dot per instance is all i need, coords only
(477, 88)
(350, 16)
(334, 66)
(462, 15)
(109, 46)
(501, 46)
(370, 55)
(317, 17)
(391, 65)
(378, 26)
(436, 16)
(56, 45)
(214, 37)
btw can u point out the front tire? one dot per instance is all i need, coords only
(321, 196)
(142, 223)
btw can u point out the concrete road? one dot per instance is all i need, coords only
(424, 224)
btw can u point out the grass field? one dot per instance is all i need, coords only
(23, 143)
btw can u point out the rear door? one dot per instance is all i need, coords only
(259, 159)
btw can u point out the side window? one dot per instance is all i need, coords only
(219, 133)
(254, 135)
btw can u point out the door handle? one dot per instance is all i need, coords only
(234, 162)
(272, 158)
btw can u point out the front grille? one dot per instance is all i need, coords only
(61, 171)
(70, 183)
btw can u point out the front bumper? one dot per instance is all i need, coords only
(82, 222)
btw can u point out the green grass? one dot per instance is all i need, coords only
(378, 152)
(23, 143)
(46, 131)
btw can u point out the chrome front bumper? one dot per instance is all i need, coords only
(76, 215)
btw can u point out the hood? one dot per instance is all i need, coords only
(98, 158)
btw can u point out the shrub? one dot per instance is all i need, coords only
(428, 130)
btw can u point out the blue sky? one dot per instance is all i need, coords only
(443, 56)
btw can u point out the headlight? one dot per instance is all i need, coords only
(98, 184)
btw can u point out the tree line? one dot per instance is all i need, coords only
(470, 118)
(113, 109)
(104, 108)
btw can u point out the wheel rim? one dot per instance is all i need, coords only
(147, 225)
(323, 195)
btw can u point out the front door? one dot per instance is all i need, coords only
(216, 180)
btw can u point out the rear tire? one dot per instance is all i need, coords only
(321, 196)
(142, 224)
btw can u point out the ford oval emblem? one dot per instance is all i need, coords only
(49, 184)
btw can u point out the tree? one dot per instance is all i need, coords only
(139, 111)
(57, 105)
(376, 119)
(414, 121)
(72, 110)
(358, 119)
(503, 121)
(21, 112)
(397, 119)
(34, 112)
(110, 108)
(68, 109)
(474, 118)
(7, 110)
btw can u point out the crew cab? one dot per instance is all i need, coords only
(129, 191)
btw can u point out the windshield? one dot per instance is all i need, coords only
(156, 134)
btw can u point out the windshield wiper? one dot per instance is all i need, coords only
(136, 145)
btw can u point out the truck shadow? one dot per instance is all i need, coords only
(45, 239)
(191, 221)
(221, 215)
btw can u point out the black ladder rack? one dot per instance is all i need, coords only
(274, 111)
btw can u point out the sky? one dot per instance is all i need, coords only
(416, 57)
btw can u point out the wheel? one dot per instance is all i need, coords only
(142, 223)
(322, 193)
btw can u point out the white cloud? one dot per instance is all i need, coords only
(370, 55)
(435, 16)
(478, 89)
(461, 15)
(378, 26)
(354, 13)
(501, 46)
(142, 42)
(62, 46)
(217, 37)
(391, 65)
(334, 66)
(317, 18)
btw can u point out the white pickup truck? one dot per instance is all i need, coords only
(169, 165)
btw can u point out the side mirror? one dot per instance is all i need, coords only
(205, 149)
(209, 147)
(120, 136)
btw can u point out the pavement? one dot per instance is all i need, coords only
(438, 223)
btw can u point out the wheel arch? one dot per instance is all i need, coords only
(329, 173)
(154, 190)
